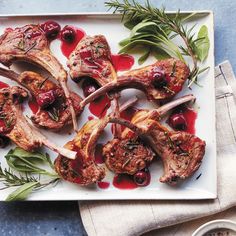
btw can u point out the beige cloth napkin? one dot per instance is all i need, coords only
(122, 218)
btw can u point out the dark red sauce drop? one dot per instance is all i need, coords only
(190, 116)
(100, 106)
(3, 85)
(76, 165)
(122, 62)
(103, 185)
(90, 117)
(99, 159)
(124, 181)
(67, 47)
(33, 105)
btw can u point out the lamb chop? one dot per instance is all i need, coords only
(83, 170)
(160, 81)
(29, 43)
(14, 125)
(180, 152)
(92, 59)
(54, 112)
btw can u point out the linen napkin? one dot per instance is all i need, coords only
(129, 218)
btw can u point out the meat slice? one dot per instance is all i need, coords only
(180, 152)
(14, 125)
(160, 81)
(92, 58)
(127, 155)
(83, 170)
(29, 43)
(54, 112)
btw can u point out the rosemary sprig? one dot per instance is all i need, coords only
(25, 163)
(23, 47)
(9, 179)
(54, 114)
(132, 11)
(40, 85)
(7, 121)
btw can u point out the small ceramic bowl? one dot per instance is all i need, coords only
(215, 224)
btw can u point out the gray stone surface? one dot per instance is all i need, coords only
(62, 218)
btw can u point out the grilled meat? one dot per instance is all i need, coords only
(92, 58)
(127, 155)
(160, 81)
(83, 170)
(14, 125)
(180, 152)
(29, 43)
(54, 112)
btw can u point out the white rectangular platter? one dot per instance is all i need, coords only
(111, 26)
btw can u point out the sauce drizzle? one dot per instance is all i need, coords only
(66, 47)
(124, 181)
(122, 62)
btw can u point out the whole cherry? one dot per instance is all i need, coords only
(89, 86)
(159, 78)
(68, 34)
(46, 98)
(51, 29)
(177, 121)
(142, 178)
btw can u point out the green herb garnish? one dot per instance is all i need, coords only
(26, 164)
(54, 114)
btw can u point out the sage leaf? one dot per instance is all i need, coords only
(203, 44)
(160, 54)
(23, 161)
(141, 25)
(22, 192)
(144, 57)
(124, 42)
(131, 45)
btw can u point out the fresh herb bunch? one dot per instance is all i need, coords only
(155, 29)
(26, 164)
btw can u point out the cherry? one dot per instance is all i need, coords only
(177, 121)
(159, 78)
(45, 99)
(51, 29)
(142, 178)
(89, 86)
(68, 34)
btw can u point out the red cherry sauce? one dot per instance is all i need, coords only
(124, 181)
(190, 116)
(33, 105)
(103, 185)
(122, 62)
(68, 47)
(3, 85)
(100, 106)
(99, 159)
(76, 165)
